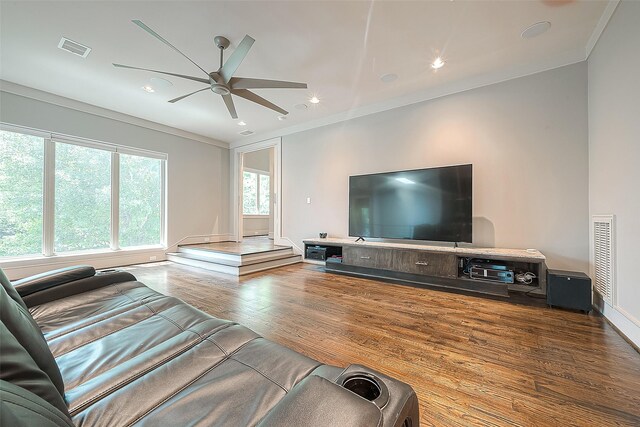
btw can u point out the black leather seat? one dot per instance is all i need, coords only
(80, 348)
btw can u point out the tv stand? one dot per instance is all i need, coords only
(430, 266)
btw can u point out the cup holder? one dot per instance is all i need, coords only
(367, 386)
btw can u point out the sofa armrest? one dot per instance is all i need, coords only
(56, 284)
(317, 402)
(52, 278)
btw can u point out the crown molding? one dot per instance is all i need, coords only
(600, 26)
(463, 85)
(50, 98)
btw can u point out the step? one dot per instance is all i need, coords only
(232, 259)
(236, 270)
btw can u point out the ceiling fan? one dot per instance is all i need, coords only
(222, 81)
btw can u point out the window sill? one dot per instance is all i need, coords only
(256, 216)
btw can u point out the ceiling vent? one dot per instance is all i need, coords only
(74, 47)
(246, 132)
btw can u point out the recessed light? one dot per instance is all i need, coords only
(148, 88)
(246, 132)
(388, 78)
(301, 106)
(281, 118)
(314, 100)
(159, 82)
(437, 63)
(536, 29)
(241, 123)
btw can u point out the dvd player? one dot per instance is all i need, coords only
(492, 274)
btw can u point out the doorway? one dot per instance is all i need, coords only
(258, 193)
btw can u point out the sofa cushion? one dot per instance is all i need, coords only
(17, 366)
(20, 407)
(11, 291)
(24, 330)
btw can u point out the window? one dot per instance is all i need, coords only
(255, 193)
(82, 198)
(140, 201)
(61, 195)
(21, 193)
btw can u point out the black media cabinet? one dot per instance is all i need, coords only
(427, 265)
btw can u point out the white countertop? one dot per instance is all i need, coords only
(528, 254)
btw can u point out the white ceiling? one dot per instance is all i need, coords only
(339, 48)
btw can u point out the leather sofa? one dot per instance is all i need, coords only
(81, 348)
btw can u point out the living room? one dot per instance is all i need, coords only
(119, 156)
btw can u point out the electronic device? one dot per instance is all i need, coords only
(425, 204)
(569, 289)
(317, 253)
(494, 275)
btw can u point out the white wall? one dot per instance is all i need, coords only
(614, 153)
(197, 173)
(527, 141)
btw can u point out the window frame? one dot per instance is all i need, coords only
(48, 188)
(258, 173)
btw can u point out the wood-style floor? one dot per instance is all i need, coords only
(471, 360)
(248, 246)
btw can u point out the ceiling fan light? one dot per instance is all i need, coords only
(241, 123)
(314, 100)
(148, 88)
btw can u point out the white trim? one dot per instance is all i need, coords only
(500, 76)
(200, 238)
(236, 180)
(25, 130)
(600, 26)
(48, 198)
(24, 267)
(628, 325)
(115, 201)
(38, 95)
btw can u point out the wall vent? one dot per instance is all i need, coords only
(74, 47)
(604, 257)
(246, 132)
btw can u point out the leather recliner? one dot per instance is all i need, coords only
(86, 349)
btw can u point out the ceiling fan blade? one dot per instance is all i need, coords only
(232, 108)
(246, 83)
(247, 94)
(197, 79)
(236, 58)
(159, 37)
(189, 94)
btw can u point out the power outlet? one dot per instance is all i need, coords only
(153, 258)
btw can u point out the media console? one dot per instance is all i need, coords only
(429, 265)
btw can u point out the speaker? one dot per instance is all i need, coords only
(569, 289)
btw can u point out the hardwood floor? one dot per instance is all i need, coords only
(471, 360)
(250, 245)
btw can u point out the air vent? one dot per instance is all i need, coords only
(603, 256)
(246, 132)
(74, 47)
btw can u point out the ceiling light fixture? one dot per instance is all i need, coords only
(314, 100)
(437, 63)
(148, 88)
(281, 118)
(241, 123)
(536, 29)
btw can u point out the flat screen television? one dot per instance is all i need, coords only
(425, 204)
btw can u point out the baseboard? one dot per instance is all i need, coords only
(202, 238)
(17, 269)
(625, 324)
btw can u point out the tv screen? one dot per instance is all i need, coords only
(424, 204)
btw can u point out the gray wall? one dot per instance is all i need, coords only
(614, 153)
(527, 141)
(197, 173)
